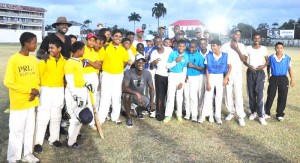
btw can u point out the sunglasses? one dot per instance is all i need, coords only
(139, 82)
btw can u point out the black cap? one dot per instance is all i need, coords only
(215, 41)
(85, 116)
(235, 30)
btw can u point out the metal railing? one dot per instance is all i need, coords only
(20, 15)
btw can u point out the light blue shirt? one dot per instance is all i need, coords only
(179, 66)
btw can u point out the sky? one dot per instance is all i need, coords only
(212, 13)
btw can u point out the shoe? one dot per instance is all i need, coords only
(229, 117)
(140, 116)
(63, 131)
(30, 158)
(201, 119)
(118, 121)
(280, 118)
(179, 118)
(242, 122)
(152, 114)
(167, 119)
(108, 118)
(79, 136)
(262, 121)
(252, 116)
(219, 121)
(56, 143)
(93, 127)
(194, 119)
(38, 148)
(75, 146)
(145, 112)
(211, 119)
(266, 116)
(129, 123)
(187, 117)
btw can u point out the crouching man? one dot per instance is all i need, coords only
(134, 84)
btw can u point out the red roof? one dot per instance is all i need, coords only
(21, 8)
(188, 23)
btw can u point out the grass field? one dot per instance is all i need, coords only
(153, 141)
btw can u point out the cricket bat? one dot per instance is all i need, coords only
(96, 116)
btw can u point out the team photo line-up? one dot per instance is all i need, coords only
(75, 83)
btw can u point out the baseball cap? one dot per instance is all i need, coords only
(235, 30)
(206, 31)
(162, 26)
(139, 56)
(149, 37)
(139, 30)
(198, 30)
(85, 116)
(90, 35)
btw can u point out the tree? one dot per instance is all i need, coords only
(262, 29)
(134, 17)
(48, 28)
(247, 29)
(158, 11)
(87, 22)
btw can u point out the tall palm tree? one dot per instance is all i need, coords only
(134, 17)
(158, 11)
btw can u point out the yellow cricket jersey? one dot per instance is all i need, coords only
(133, 49)
(22, 75)
(113, 58)
(52, 72)
(91, 55)
(74, 67)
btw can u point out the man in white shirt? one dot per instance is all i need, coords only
(257, 56)
(159, 58)
(236, 53)
(140, 38)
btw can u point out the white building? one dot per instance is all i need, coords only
(185, 25)
(16, 19)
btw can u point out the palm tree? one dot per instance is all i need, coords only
(134, 17)
(87, 22)
(158, 11)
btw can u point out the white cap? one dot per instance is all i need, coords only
(149, 37)
(139, 56)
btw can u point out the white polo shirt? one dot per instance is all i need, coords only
(162, 64)
(256, 57)
(234, 58)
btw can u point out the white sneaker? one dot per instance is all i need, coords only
(229, 117)
(187, 117)
(194, 119)
(252, 116)
(211, 119)
(93, 127)
(219, 121)
(201, 119)
(280, 118)
(30, 158)
(242, 122)
(152, 114)
(262, 121)
(64, 123)
(266, 116)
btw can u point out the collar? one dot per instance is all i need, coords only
(277, 59)
(217, 57)
(76, 59)
(207, 51)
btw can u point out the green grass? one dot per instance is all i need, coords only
(153, 141)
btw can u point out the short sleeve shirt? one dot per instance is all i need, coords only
(136, 82)
(256, 57)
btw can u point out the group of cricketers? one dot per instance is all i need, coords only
(114, 73)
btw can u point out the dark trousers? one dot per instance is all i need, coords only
(282, 84)
(255, 85)
(161, 88)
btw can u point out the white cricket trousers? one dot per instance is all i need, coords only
(92, 78)
(111, 91)
(191, 90)
(75, 124)
(235, 103)
(201, 93)
(174, 80)
(51, 104)
(21, 130)
(216, 82)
